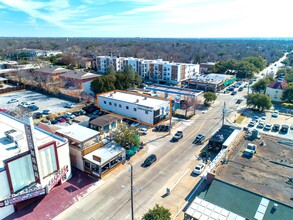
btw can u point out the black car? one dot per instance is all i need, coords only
(284, 129)
(149, 160)
(37, 115)
(199, 138)
(162, 128)
(276, 127)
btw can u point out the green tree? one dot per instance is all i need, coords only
(126, 136)
(110, 70)
(259, 101)
(209, 97)
(288, 93)
(258, 62)
(157, 213)
(262, 84)
(131, 73)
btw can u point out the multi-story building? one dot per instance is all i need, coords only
(142, 108)
(157, 70)
(32, 162)
(276, 89)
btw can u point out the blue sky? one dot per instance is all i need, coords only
(145, 18)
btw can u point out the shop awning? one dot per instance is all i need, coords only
(229, 81)
(129, 152)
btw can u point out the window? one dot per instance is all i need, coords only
(146, 112)
(115, 104)
(110, 103)
(120, 106)
(105, 102)
(134, 109)
(127, 107)
(87, 164)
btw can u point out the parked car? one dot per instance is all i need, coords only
(149, 160)
(143, 131)
(177, 136)
(250, 150)
(135, 124)
(234, 93)
(37, 115)
(263, 118)
(240, 89)
(260, 125)
(33, 107)
(69, 115)
(276, 127)
(163, 128)
(199, 168)
(252, 123)
(255, 118)
(46, 112)
(68, 105)
(199, 138)
(53, 122)
(275, 114)
(268, 127)
(284, 129)
(12, 101)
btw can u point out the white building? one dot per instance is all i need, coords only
(142, 108)
(276, 89)
(32, 162)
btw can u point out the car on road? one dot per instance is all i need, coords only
(177, 136)
(149, 160)
(68, 105)
(46, 111)
(239, 101)
(234, 93)
(276, 127)
(12, 101)
(275, 114)
(268, 127)
(199, 138)
(199, 168)
(240, 89)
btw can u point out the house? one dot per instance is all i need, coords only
(142, 108)
(79, 80)
(105, 123)
(32, 162)
(85, 63)
(276, 89)
(88, 153)
(50, 73)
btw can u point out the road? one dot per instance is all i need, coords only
(112, 199)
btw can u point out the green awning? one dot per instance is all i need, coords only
(134, 148)
(229, 81)
(129, 152)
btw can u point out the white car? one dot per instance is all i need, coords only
(143, 131)
(199, 168)
(68, 105)
(275, 114)
(135, 124)
(268, 127)
(252, 123)
(263, 118)
(12, 101)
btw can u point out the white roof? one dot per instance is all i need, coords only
(9, 149)
(106, 153)
(135, 99)
(78, 132)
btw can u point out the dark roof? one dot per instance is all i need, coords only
(278, 84)
(224, 132)
(77, 74)
(52, 69)
(104, 120)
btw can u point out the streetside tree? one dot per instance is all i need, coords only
(157, 213)
(288, 93)
(210, 97)
(126, 136)
(262, 84)
(259, 101)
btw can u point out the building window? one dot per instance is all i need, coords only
(146, 112)
(115, 104)
(120, 106)
(127, 107)
(105, 102)
(87, 164)
(110, 103)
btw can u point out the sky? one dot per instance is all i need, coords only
(146, 18)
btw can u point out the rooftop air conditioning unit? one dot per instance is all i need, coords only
(13, 135)
(137, 100)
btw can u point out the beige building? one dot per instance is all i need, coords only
(276, 89)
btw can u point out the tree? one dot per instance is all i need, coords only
(262, 84)
(157, 213)
(126, 136)
(259, 101)
(110, 70)
(288, 93)
(209, 97)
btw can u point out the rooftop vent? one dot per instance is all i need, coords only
(13, 135)
(145, 98)
(137, 100)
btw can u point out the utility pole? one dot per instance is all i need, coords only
(131, 190)
(224, 111)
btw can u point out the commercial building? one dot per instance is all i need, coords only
(32, 162)
(145, 109)
(157, 70)
(105, 123)
(50, 73)
(88, 153)
(211, 82)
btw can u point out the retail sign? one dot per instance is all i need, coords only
(57, 177)
(33, 151)
(22, 197)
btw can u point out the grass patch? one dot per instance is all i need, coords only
(240, 119)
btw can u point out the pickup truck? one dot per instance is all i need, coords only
(250, 150)
(177, 136)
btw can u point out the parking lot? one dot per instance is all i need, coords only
(42, 101)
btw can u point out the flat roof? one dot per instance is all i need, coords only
(104, 120)
(135, 99)
(243, 202)
(175, 90)
(212, 78)
(106, 153)
(78, 132)
(261, 173)
(8, 149)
